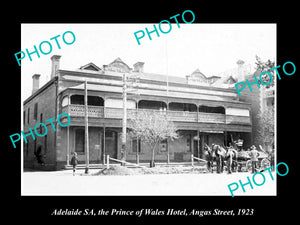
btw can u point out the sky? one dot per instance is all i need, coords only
(211, 48)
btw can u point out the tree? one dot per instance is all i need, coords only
(266, 128)
(152, 127)
(266, 117)
(266, 66)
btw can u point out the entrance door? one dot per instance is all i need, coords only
(203, 140)
(111, 143)
(79, 140)
(196, 152)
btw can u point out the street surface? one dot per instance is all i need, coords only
(64, 183)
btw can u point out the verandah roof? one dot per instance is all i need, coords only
(173, 94)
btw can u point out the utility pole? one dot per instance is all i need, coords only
(168, 141)
(124, 122)
(127, 88)
(86, 136)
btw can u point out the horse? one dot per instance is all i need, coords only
(209, 156)
(215, 153)
(220, 153)
(231, 157)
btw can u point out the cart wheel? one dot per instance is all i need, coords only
(265, 163)
(249, 166)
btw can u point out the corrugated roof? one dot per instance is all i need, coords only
(162, 78)
(118, 89)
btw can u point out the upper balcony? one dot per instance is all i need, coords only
(178, 116)
(179, 112)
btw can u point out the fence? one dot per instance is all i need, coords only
(121, 161)
(193, 157)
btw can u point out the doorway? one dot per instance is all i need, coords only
(111, 143)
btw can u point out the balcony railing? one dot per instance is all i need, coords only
(180, 116)
(78, 110)
(211, 117)
(237, 119)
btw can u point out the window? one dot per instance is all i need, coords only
(34, 149)
(65, 101)
(27, 147)
(95, 100)
(109, 134)
(79, 140)
(188, 143)
(92, 100)
(163, 145)
(205, 139)
(24, 117)
(41, 121)
(209, 109)
(136, 145)
(35, 111)
(77, 99)
(45, 143)
(118, 103)
(28, 115)
(237, 112)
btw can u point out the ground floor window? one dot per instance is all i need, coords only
(163, 145)
(79, 140)
(188, 143)
(136, 145)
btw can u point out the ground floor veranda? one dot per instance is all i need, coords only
(103, 141)
(107, 140)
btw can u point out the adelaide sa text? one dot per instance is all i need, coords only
(17, 137)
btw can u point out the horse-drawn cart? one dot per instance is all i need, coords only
(244, 162)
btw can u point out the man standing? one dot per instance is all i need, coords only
(74, 162)
(254, 157)
(229, 155)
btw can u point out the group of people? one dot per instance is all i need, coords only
(230, 156)
(253, 153)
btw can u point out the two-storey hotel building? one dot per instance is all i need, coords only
(205, 110)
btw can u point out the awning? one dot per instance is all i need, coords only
(171, 94)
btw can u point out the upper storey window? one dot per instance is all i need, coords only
(92, 100)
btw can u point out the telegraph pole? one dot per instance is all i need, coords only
(86, 136)
(126, 89)
(124, 122)
(168, 141)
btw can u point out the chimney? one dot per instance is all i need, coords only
(241, 70)
(55, 65)
(138, 67)
(35, 82)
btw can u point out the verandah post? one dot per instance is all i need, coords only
(107, 162)
(192, 159)
(86, 136)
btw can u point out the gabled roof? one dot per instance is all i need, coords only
(117, 60)
(197, 73)
(230, 80)
(118, 66)
(90, 66)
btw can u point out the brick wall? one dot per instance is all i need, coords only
(95, 144)
(253, 98)
(45, 106)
